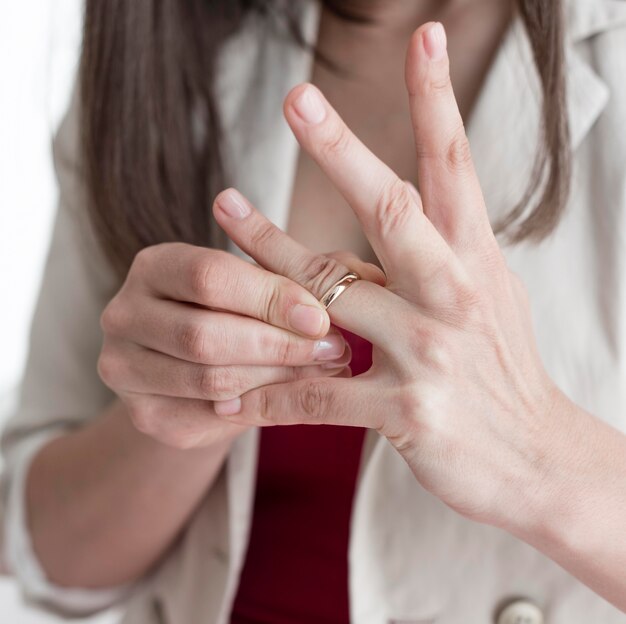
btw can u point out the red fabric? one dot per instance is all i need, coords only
(296, 567)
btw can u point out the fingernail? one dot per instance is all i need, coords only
(342, 362)
(227, 408)
(233, 204)
(435, 42)
(310, 106)
(306, 319)
(329, 348)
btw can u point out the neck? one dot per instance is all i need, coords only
(372, 53)
(393, 13)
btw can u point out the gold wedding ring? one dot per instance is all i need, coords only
(338, 288)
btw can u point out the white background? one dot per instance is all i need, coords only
(39, 48)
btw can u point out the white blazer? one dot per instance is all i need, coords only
(412, 560)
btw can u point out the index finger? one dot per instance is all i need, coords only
(410, 248)
(222, 281)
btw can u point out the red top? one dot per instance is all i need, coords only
(296, 567)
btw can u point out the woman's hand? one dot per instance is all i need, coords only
(193, 325)
(457, 385)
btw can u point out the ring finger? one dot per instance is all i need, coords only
(148, 372)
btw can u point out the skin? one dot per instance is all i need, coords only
(457, 385)
(372, 100)
(157, 450)
(189, 326)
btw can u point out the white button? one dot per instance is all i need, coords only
(520, 612)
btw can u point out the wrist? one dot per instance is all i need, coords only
(556, 495)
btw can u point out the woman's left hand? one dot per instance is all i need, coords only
(457, 385)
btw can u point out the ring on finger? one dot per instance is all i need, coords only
(338, 288)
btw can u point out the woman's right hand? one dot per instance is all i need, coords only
(192, 325)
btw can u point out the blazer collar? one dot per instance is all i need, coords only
(256, 70)
(591, 17)
(259, 66)
(504, 127)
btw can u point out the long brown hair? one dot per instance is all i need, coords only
(151, 133)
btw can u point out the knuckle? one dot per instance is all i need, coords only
(439, 85)
(422, 338)
(410, 399)
(393, 207)
(218, 382)
(436, 352)
(467, 296)
(113, 319)
(337, 144)
(263, 405)
(143, 259)
(314, 399)
(282, 350)
(263, 235)
(423, 415)
(108, 367)
(473, 309)
(142, 414)
(458, 155)
(467, 308)
(320, 272)
(420, 404)
(206, 273)
(285, 349)
(192, 342)
(272, 304)
(461, 298)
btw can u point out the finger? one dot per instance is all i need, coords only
(220, 280)
(149, 372)
(355, 403)
(448, 183)
(366, 270)
(408, 245)
(219, 338)
(180, 423)
(279, 253)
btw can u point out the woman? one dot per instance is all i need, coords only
(475, 470)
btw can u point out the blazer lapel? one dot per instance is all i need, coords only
(504, 129)
(257, 70)
(592, 17)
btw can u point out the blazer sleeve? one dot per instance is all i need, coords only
(60, 389)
